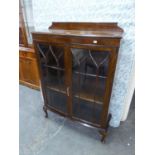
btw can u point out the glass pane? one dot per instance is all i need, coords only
(52, 66)
(20, 36)
(28, 18)
(89, 68)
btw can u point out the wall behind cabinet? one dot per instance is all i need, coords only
(121, 11)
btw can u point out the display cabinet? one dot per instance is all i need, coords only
(77, 63)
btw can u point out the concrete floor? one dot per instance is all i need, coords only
(59, 136)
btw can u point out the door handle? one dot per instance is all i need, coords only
(67, 91)
(95, 41)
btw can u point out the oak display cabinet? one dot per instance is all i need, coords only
(77, 63)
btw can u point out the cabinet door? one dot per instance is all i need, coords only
(52, 69)
(89, 75)
(28, 70)
(21, 76)
(25, 69)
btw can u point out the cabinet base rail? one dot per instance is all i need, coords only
(102, 131)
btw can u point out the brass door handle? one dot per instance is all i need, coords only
(95, 41)
(67, 91)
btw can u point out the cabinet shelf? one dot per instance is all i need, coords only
(60, 89)
(76, 72)
(91, 75)
(81, 95)
(54, 67)
(89, 97)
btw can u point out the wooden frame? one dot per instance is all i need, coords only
(22, 29)
(94, 36)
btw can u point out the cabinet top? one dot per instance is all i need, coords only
(84, 29)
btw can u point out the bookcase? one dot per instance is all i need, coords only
(77, 64)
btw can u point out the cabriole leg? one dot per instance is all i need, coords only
(104, 132)
(45, 110)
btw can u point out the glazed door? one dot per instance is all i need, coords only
(53, 76)
(89, 74)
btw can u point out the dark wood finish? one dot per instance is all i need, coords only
(85, 26)
(109, 82)
(67, 58)
(84, 39)
(104, 132)
(75, 40)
